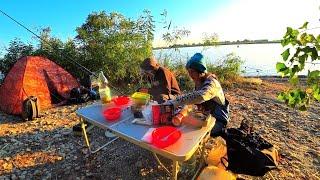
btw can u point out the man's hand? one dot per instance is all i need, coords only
(168, 102)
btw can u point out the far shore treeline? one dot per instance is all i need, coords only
(221, 43)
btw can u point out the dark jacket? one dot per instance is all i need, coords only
(164, 85)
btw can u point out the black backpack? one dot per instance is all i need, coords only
(30, 108)
(76, 96)
(248, 153)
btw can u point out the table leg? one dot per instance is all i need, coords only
(175, 169)
(83, 126)
(160, 163)
(202, 155)
(101, 147)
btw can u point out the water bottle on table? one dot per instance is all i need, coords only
(104, 90)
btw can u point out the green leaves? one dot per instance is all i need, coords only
(294, 98)
(290, 37)
(307, 38)
(314, 74)
(285, 54)
(227, 67)
(306, 47)
(294, 80)
(304, 26)
(282, 68)
(314, 54)
(15, 50)
(116, 44)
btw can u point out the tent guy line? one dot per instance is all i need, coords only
(86, 70)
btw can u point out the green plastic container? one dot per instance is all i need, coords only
(140, 98)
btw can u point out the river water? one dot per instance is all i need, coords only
(259, 59)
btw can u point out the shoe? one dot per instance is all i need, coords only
(109, 134)
(77, 130)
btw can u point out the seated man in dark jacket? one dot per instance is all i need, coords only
(164, 85)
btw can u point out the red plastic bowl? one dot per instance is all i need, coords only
(112, 114)
(165, 136)
(121, 100)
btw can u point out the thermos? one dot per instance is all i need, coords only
(183, 117)
(178, 118)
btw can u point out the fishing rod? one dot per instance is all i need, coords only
(48, 43)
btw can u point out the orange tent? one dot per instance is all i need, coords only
(35, 76)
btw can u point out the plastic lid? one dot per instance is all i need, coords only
(141, 95)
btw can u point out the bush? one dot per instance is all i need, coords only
(176, 63)
(185, 82)
(16, 50)
(228, 68)
(116, 45)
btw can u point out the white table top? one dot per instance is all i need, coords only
(182, 150)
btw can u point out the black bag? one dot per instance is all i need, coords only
(75, 93)
(75, 96)
(249, 153)
(30, 108)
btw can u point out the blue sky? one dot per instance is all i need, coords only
(230, 19)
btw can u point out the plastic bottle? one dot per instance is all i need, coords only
(104, 90)
(178, 118)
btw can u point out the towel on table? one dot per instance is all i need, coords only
(147, 137)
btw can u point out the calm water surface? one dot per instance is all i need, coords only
(259, 59)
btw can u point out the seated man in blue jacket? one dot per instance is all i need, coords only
(208, 94)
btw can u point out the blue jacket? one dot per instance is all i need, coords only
(208, 96)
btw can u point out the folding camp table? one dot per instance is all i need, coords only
(182, 150)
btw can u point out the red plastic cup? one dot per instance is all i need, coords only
(156, 112)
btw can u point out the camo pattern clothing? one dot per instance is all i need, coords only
(208, 96)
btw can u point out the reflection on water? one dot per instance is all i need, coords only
(260, 59)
